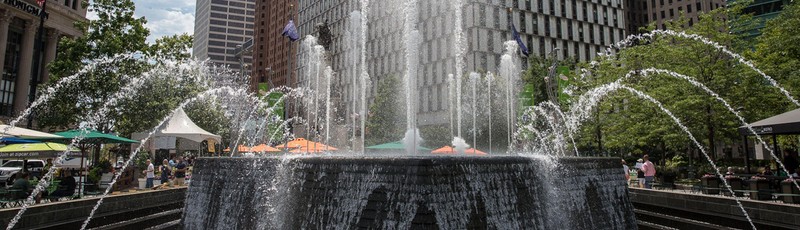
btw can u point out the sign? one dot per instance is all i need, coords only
(25, 6)
(273, 100)
(762, 129)
(48, 154)
(562, 73)
(212, 144)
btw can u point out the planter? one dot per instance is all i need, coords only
(106, 177)
(762, 186)
(711, 185)
(789, 188)
(142, 183)
(736, 183)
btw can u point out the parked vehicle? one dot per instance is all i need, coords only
(9, 170)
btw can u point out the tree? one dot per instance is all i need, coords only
(120, 36)
(385, 121)
(628, 122)
(778, 50)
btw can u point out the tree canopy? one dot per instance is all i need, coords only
(113, 67)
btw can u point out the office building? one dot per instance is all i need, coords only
(579, 28)
(641, 13)
(220, 26)
(23, 60)
(271, 50)
(762, 11)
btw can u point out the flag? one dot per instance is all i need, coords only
(40, 2)
(290, 31)
(522, 46)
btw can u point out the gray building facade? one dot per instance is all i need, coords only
(579, 28)
(220, 26)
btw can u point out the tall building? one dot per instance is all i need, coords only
(762, 11)
(22, 57)
(219, 27)
(271, 51)
(641, 13)
(579, 28)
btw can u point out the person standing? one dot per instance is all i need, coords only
(166, 171)
(790, 160)
(649, 170)
(150, 174)
(627, 171)
(180, 172)
(639, 173)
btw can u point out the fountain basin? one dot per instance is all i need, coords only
(402, 192)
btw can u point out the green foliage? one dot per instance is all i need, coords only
(435, 136)
(538, 69)
(385, 121)
(94, 175)
(120, 36)
(627, 122)
(140, 160)
(778, 49)
(104, 166)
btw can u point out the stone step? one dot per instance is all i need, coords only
(144, 222)
(644, 225)
(172, 225)
(674, 221)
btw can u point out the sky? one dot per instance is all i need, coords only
(164, 17)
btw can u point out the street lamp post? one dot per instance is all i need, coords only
(269, 77)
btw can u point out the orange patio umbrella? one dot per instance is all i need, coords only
(306, 145)
(451, 150)
(241, 149)
(444, 150)
(263, 148)
(312, 149)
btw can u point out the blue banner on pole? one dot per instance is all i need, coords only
(290, 31)
(522, 46)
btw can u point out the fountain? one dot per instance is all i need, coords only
(534, 181)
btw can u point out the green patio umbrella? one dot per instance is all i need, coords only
(36, 150)
(397, 145)
(96, 137)
(93, 137)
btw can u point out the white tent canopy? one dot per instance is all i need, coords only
(26, 133)
(179, 125)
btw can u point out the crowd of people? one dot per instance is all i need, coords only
(646, 170)
(65, 188)
(171, 172)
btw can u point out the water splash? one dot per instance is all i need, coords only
(411, 140)
(633, 39)
(460, 145)
(509, 72)
(150, 134)
(365, 80)
(591, 99)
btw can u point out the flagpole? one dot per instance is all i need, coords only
(34, 79)
(291, 81)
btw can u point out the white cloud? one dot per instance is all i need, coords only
(164, 17)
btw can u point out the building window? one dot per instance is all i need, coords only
(558, 27)
(688, 8)
(10, 68)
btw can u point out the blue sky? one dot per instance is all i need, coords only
(165, 17)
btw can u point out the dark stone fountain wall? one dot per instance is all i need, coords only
(416, 192)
